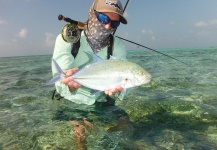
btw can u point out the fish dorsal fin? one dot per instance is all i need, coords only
(115, 58)
(59, 70)
(94, 57)
(112, 58)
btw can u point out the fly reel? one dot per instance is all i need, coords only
(71, 33)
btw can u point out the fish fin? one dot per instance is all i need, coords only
(94, 57)
(115, 58)
(95, 92)
(122, 94)
(112, 58)
(52, 81)
(60, 75)
(57, 66)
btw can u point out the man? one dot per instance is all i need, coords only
(104, 18)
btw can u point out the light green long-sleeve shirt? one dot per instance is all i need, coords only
(62, 55)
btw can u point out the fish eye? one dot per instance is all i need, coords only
(141, 73)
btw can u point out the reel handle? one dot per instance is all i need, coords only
(80, 24)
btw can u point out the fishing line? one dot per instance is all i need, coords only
(151, 49)
(81, 26)
(143, 45)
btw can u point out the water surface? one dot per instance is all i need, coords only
(176, 111)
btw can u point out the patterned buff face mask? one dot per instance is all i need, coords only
(97, 35)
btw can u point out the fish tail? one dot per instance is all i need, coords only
(54, 80)
(60, 75)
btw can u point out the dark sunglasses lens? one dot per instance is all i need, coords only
(115, 24)
(103, 18)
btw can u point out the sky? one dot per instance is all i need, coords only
(30, 27)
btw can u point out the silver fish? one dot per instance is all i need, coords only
(103, 75)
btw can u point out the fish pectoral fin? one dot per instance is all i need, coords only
(123, 93)
(95, 92)
(125, 82)
(113, 58)
(94, 57)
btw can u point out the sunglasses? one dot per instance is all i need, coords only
(106, 20)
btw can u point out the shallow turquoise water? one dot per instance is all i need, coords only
(176, 111)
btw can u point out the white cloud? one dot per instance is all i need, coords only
(126, 14)
(213, 22)
(201, 24)
(2, 21)
(205, 24)
(23, 33)
(149, 33)
(49, 39)
(12, 45)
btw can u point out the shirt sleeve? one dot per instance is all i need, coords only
(62, 55)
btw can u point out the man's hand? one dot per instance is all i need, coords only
(74, 85)
(113, 91)
(69, 80)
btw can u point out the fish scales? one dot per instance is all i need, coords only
(104, 75)
(107, 74)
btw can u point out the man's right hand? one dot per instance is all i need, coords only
(70, 81)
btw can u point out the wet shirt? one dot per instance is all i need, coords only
(62, 54)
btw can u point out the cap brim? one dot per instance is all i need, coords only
(123, 20)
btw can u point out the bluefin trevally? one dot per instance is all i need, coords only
(103, 75)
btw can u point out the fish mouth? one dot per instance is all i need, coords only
(145, 81)
(148, 79)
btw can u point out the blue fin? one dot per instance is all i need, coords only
(95, 92)
(94, 57)
(123, 93)
(52, 81)
(112, 58)
(60, 75)
(59, 70)
(115, 58)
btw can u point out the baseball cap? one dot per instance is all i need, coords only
(113, 6)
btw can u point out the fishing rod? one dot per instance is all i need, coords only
(81, 26)
(151, 49)
(69, 20)
(125, 7)
(143, 45)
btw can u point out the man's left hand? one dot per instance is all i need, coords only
(113, 91)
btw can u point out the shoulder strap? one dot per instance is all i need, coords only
(74, 52)
(76, 46)
(110, 47)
